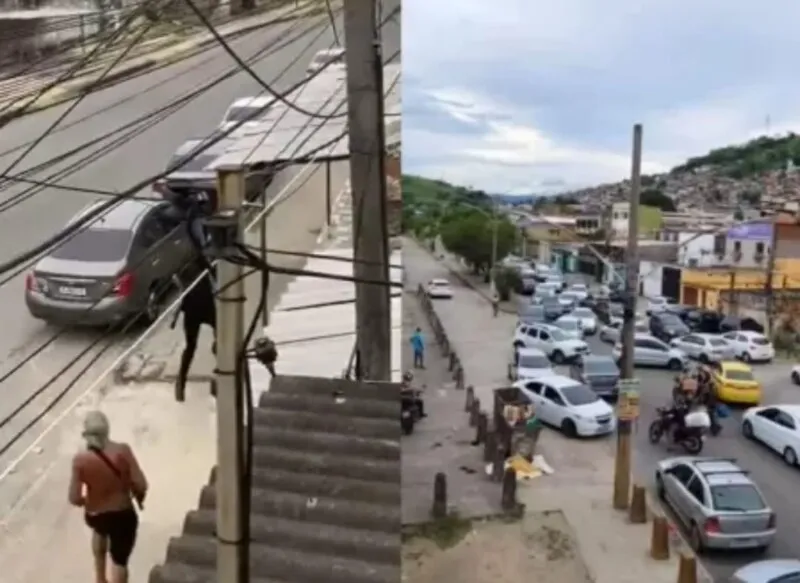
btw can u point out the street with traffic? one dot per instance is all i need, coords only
(769, 471)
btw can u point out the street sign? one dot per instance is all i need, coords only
(628, 402)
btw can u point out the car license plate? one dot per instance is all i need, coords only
(741, 542)
(75, 292)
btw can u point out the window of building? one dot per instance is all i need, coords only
(719, 245)
(737, 246)
(759, 248)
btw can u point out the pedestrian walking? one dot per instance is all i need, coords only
(198, 307)
(495, 304)
(418, 346)
(106, 480)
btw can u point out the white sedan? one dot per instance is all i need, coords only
(580, 290)
(587, 320)
(571, 326)
(777, 428)
(439, 289)
(750, 346)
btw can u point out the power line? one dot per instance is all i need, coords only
(105, 207)
(282, 97)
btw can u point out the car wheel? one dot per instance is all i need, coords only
(675, 364)
(558, 357)
(790, 457)
(568, 428)
(155, 303)
(745, 357)
(518, 344)
(747, 430)
(796, 378)
(695, 538)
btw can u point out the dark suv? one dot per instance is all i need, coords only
(667, 326)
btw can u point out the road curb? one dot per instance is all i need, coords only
(58, 96)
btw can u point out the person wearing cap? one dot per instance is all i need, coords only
(106, 481)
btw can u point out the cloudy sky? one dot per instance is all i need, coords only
(520, 96)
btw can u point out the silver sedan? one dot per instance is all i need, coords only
(705, 347)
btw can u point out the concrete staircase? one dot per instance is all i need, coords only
(326, 489)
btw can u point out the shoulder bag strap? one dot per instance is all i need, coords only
(101, 454)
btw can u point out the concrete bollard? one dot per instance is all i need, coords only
(509, 490)
(475, 412)
(659, 539)
(469, 399)
(439, 508)
(451, 364)
(460, 377)
(687, 568)
(638, 506)
(482, 428)
(498, 462)
(489, 446)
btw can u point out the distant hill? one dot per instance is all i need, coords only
(758, 156)
(420, 191)
(517, 198)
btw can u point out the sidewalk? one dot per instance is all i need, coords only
(15, 93)
(581, 487)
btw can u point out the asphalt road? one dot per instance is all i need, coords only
(27, 224)
(485, 348)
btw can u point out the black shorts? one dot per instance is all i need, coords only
(119, 527)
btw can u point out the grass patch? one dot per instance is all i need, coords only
(445, 532)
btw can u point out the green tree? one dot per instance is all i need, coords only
(656, 198)
(469, 234)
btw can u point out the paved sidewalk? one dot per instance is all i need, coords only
(581, 487)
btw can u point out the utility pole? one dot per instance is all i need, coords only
(769, 289)
(232, 545)
(622, 462)
(368, 181)
(495, 228)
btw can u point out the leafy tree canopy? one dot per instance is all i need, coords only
(469, 234)
(656, 198)
(757, 156)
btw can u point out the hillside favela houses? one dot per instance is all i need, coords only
(710, 232)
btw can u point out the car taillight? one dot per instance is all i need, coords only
(123, 287)
(30, 283)
(712, 526)
(772, 522)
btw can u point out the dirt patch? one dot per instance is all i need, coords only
(540, 547)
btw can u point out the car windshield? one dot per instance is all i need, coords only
(94, 245)
(671, 320)
(567, 324)
(739, 375)
(759, 340)
(737, 498)
(717, 342)
(579, 395)
(197, 164)
(245, 113)
(601, 366)
(583, 313)
(550, 301)
(533, 361)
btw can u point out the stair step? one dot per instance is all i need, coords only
(318, 538)
(300, 421)
(182, 573)
(290, 566)
(371, 408)
(316, 485)
(332, 465)
(297, 385)
(329, 443)
(333, 511)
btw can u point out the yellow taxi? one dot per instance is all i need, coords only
(734, 383)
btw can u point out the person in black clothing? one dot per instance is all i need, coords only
(198, 307)
(707, 396)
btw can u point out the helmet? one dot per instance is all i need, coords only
(408, 376)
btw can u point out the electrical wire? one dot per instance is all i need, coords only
(350, 260)
(279, 96)
(76, 102)
(105, 207)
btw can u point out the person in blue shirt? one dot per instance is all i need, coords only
(418, 346)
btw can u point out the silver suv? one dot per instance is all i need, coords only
(717, 503)
(650, 351)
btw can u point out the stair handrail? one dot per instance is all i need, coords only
(350, 369)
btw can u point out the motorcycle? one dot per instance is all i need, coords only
(690, 437)
(409, 410)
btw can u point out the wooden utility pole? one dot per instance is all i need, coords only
(622, 462)
(769, 275)
(232, 543)
(368, 182)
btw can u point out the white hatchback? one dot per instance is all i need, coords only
(572, 407)
(439, 289)
(750, 346)
(776, 427)
(528, 363)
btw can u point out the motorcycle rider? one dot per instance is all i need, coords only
(707, 397)
(412, 394)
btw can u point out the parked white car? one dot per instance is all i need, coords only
(568, 300)
(750, 346)
(705, 347)
(245, 108)
(612, 332)
(580, 290)
(570, 325)
(439, 289)
(528, 363)
(587, 319)
(776, 427)
(567, 404)
(657, 304)
(551, 340)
